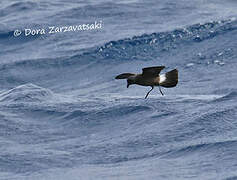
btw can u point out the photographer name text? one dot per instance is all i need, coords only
(59, 29)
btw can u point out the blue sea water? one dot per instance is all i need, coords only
(64, 116)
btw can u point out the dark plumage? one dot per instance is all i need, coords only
(151, 77)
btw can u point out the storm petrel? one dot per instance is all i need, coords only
(151, 77)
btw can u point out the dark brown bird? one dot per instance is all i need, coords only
(151, 77)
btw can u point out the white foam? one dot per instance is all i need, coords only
(162, 78)
(189, 64)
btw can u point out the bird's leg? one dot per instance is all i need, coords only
(152, 87)
(161, 91)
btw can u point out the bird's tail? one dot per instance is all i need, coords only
(169, 79)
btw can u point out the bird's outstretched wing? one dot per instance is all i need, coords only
(124, 76)
(152, 71)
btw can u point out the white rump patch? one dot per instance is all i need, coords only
(162, 78)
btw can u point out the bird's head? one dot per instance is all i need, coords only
(130, 81)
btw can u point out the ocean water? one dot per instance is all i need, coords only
(64, 116)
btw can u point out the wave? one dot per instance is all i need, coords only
(231, 178)
(26, 93)
(209, 122)
(148, 44)
(41, 102)
(197, 148)
(145, 48)
(18, 7)
(165, 41)
(229, 97)
(6, 34)
(93, 118)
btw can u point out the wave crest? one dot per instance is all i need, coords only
(26, 93)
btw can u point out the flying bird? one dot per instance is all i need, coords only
(151, 77)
